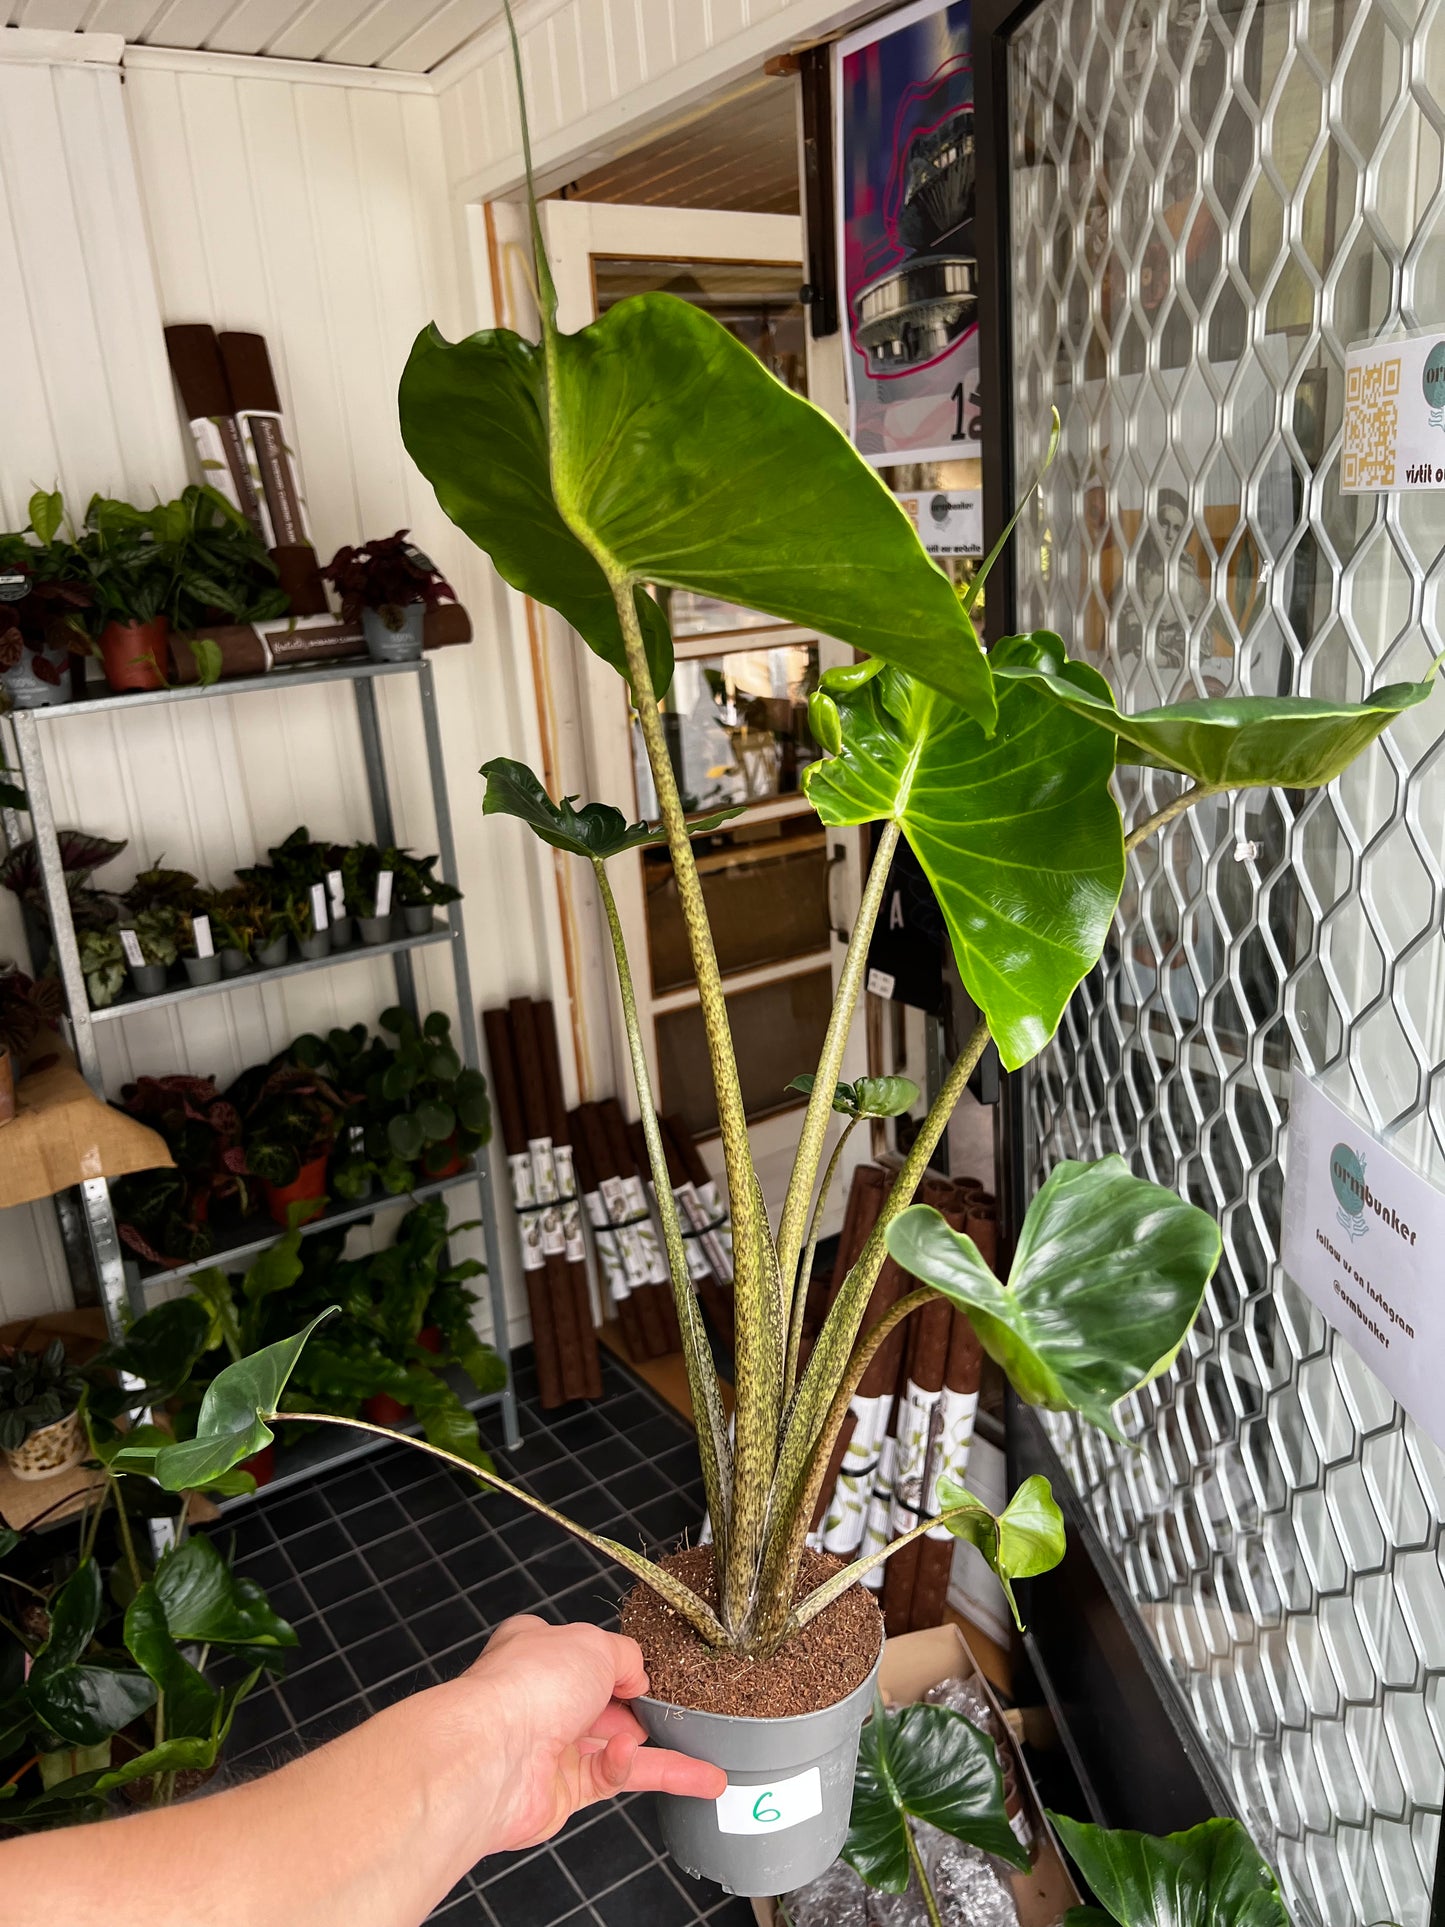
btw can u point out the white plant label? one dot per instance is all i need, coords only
(337, 890)
(772, 1808)
(201, 933)
(318, 907)
(881, 982)
(383, 893)
(130, 944)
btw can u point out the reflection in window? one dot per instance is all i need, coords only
(737, 728)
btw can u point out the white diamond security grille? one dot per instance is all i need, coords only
(1208, 204)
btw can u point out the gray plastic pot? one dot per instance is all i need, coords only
(795, 1775)
(417, 917)
(271, 956)
(316, 946)
(233, 961)
(374, 929)
(394, 645)
(149, 979)
(203, 970)
(343, 933)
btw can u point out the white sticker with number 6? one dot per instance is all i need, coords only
(769, 1808)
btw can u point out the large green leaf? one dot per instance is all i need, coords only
(1206, 1877)
(597, 830)
(1226, 742)
(1106, 1281)
(1018, 834)
(445, 1421)
(277, 1269)
(229, 1427)
(924, 1763)
(74, 1615)
(473, 420)
(161, 1348)
(86, 1704)
(1025, 1539)
(205, 1600)
(191, 1702)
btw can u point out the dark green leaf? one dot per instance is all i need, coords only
(1026, 1538)
(1018, 834)
(162, 1347)
(1206, 1877)
(405, 1136)
(473, 420)
(9, 1540)
(205, 1600)
(1087, 1917)
(445, 1421)
(74, 1615)
(277, 1269)
(86, 1704)
(190, 1701)
(597, 830)
(868, 1097)
(1226, 742)
(924, 1763)
(1107, 1279)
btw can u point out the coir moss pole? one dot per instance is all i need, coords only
(962, 1377)
(917, 1423)
(519, 1167)
(651, 1293)
(555, 1280)
(594, 1170)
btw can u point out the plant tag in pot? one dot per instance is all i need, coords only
(771, 1808)
(201, 933)
(383, 893)
(337, 891)
(130, 944)
(318, 907)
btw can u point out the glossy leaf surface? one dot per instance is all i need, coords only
(1210, 1875)
(473, 420)
(205, 1600)
(1018, 834)
(1106, 1281)
(866, 1096)
(924, 1763)
(1025, 1539)
(191, 1702)
(82, 1702)
(596, 831)
(1225, 742)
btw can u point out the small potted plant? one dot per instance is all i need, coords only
(165, 1215)
(390, 585)
(42, 610)
(270, 940)
(419, 892)
(233, 926)
(26, 1009)
(130, 577)
(41, 1430)
(177, 899)
(223, 572)
(158, 931)
(440, 1110)
(291, 1118)
(298, 912)
(199, 969)
(362, 868)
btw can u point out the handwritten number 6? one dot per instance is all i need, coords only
(766, 1814)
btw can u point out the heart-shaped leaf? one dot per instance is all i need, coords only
(86, 1704)
(1018, 834)
(191, 1702)
(160, 1349)
(924, 1763)
(1225, 742)
(229, 1427)
(205, 1600)
(473, 417)
(867, 1097)
(1025, 1539)
(1106, 1281)
(1212, 1874)
(596, 831)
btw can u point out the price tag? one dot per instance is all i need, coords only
(130, 944)
(318, 907)
(201, 932)
(771, 1808)
(338, 895)
(383, 894)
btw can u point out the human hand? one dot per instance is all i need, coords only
(561, 1735)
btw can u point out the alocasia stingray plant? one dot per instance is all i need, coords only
(652, 448)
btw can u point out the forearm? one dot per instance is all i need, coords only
(369, 1831)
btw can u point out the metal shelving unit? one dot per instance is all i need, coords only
(90, 1234)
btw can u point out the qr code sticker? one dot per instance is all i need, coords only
(1371, 424)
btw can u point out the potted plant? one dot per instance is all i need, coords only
(223, 571)
(420, 892)
(997, 769)
(291, 1117)
(200, 969)
(362, 867)
(235, 919)
(389, 584)
(42, 609)
(27, 1009)
(81, 854)
(130, 577)
(440, 1111)
(355, 1062)
(158, 933)
(41, 1395)
(165, 1216)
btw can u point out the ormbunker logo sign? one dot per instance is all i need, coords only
(1347, 1179)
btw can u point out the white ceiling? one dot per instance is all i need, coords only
(408, 36)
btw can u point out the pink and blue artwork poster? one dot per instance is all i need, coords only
(905, 170)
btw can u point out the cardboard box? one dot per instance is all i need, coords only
(62, 1133)
(913, 1663)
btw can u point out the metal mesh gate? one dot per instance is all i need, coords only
(1207, 204)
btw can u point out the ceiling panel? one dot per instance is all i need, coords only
(408, 36)
(741, 154)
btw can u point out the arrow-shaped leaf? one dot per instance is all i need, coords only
(204, 1600)
(1224, 742)
(1107, 1279)
(1212, 1874)
(924, 1763)
(597, 830)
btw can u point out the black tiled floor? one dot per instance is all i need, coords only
(394, 1573)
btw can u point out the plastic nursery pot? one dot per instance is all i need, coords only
(374, 929)
(203, 970)
(417, 917)
(784, 1816)
(343, 932)
(234, 962)
(54, 1448)
(26, 690)
(136, 655)
(149, 979)
(7, 1087)
(271, 956)
(382, 1409)
(453, 1164)
(394, 645)
(261, 1465)
(430, 1338)
(316, 946)
(308, 1187)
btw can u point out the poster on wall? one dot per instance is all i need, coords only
(905, 169)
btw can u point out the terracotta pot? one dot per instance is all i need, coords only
(136, 655)
(54, 1448)
(382, 1409)
(262, 1465)
(308, 1185)
(7, 1087)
